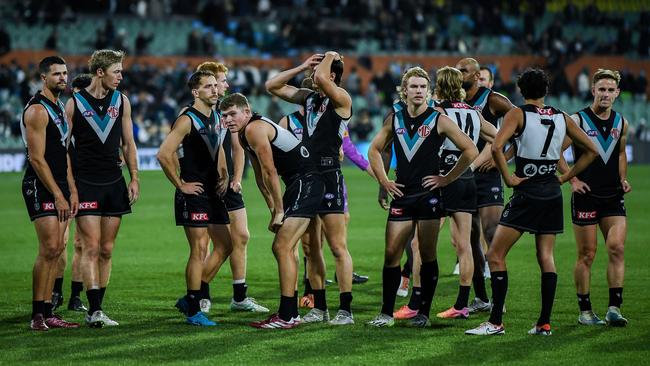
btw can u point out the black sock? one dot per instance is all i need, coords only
(616, 296)
(479, 286)
(549, 283)
(462, 298)
(102, 292)
(345, 299)
(58, 285)
(94, 303)
(391, 277)
(193, 297)
(584, 302)
(47, 310)
(499, 290)
(38, 307)
(429, 281)
(285, 311)
(76, 288)
(320, 300)
(205, 290)
(239, 291)
(416, 298)
(308, 289)
(294, 305)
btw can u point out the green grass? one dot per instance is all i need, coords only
(148, 266)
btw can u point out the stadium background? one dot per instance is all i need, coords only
(165, 39)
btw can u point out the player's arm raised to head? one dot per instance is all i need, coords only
(622, 159)
(469, 152)
(258, 135)
(36, 120)
(379, 144)
(512, 122)
(341, 99)
(167, 152)
(499, 104)
(582, 141)
(278, 85)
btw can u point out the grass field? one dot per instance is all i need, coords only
(148, 266)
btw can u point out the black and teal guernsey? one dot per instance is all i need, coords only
(56, 138)
(290, 157)
(602, 174)
(324, 130)
(97, 133)
(200, 152)
(417, 146)
(480, 102)
(468, 121)
(296, 124)
(539, 148)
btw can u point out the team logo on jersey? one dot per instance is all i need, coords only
(298, 131)
(304, 152)
(48, 206)
(397, 211)
(101, 126)
(592, 133)
(88, 205)
(88, 113)
(424, 131)
(329, 196)
(545, 111)
(615, 133)
(451, 159)
(459, 105)
(400, 131)
(199, 216)
(57, 121)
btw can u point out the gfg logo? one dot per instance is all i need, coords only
(531, 170)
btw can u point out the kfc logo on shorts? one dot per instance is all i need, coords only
(397, 211)
(424, 131)
(200, 216)
(400, 131)
(88, 205)
(615, 133)
(113, 112)
(88, 113)
(586, 214)
(48, 206)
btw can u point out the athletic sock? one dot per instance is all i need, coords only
(239, 290)
(462, 298)
(549, 283)
(58, 285)
(584, 302)
(391, 277)
(205, 290)
(38, 307)
(308, 289)
(478, 281)
(285, 311)
(320, 301)
(93, 300)
(76, 288)
(193, 297)
(616, 296)
(416, 298)
(499, 290)
(345, 299)
(47, 310)
(429, 281)
(294, 305)
(102, 292)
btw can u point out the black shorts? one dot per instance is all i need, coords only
(419, 206)
(459, 196)
(533, 215)
(39, 201)
(589, 210)
(199, 211)
(233, 200)
(303, 196)
(489, 189)
(111, 199)
(333, 201)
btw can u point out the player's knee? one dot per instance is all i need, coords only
(51, 250)
(616, 250)
(106, 252)
(494, 259)
(586, 258)
(339, 251)
(240, 238)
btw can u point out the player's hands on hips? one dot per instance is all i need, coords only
(134, 191)
(435, 181)
(194, 188)
(62, 208)
(513, 180)
(578, 186)
(277, 219)
(222, 186)
(312, 61)
(487, 166)
(235, 186)
(74, 203)
(382, 198)
(393, 188)
(626, 186)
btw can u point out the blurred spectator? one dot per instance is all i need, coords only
(52, 41)
(194, 43)
(142, 42)
(583, 84)
(362, 126)
(5, 41)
